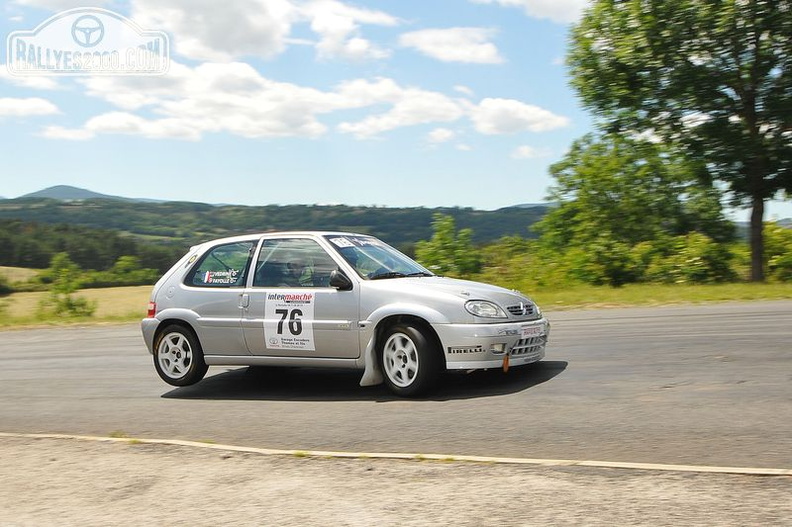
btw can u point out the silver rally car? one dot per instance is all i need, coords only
(336, 300)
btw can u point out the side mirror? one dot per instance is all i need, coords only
(340, 281)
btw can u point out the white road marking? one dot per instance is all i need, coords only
(423, 457)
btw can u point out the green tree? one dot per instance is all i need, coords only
(614, 193)
(449, 251)
(711, 76)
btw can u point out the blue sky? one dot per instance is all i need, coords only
(388, 103)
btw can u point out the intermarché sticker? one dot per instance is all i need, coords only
(288, 320)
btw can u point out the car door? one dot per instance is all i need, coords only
(291, 310)
(213, 289)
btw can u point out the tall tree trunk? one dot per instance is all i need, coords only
(757, 239)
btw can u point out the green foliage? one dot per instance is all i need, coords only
(65, 276)
(33, 245)
(694, 258)
(629, 191)
(189, 223)
(709, 77)
(449, 252)
(127, 271)
(778, 252)
(626, 207)
(5, 286)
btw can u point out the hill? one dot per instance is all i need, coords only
(67, 193)
(192, 222)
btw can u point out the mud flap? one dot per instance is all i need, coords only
(372, 376)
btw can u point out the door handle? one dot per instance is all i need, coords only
(244, 301)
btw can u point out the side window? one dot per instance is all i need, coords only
(223, 266)
(293, 262)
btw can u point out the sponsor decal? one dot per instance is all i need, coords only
(459, 350)
(288, 320)
(354, 241)
(221, 277)
(342, 242)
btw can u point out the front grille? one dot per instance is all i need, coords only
(523, 309)
(528, 346)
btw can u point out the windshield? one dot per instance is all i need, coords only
(375, 260)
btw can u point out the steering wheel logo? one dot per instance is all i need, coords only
(87, 31)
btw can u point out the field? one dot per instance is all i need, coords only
(114, 304)
(18, 274)
(128, 304)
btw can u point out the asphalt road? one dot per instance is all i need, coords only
(706, 385)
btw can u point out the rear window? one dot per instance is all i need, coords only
(223, 266)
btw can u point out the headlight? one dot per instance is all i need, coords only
(484, 309)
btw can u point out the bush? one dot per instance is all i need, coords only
(778, 252)
(127, 271)
(65, 276)
(694, 258)
(5, 286)
(449, 252)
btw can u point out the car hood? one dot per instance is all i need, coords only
(453, 287)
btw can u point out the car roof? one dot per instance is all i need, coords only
(273, 234)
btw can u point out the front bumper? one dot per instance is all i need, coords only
(484, 346)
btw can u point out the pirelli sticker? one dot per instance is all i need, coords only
(464, 350)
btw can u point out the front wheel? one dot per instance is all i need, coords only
(410, 361)
(178, 357)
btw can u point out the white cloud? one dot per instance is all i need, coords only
(508, 116)
(464, 147)
(69, 134)
(29, 81)
(561, 11)
(212, 30)
(458, 44)
(440, 135)
(413, 106)
(464, 90)
(529, 152)
(234, 98)
(212, 97)
(11, 107)
(224, 31)
(338, 26)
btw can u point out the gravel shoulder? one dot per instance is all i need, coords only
(75, 482)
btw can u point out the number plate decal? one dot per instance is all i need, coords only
(288, 320)
(532, 331)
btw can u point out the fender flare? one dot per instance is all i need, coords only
(372, 374)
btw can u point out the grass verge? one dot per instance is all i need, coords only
(656, 295)
(114, 304)
(128, 304)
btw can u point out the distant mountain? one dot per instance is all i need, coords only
(68, 193)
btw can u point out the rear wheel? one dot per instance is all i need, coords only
(178, 357)
(410, 360)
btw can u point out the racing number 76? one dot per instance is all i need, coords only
(295, 322)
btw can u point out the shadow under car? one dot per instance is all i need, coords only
(314, 384)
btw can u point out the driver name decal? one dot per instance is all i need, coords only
(288, 320)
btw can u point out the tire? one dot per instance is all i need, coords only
(409, 359)
(178, 357)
